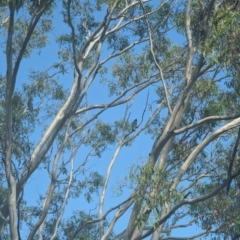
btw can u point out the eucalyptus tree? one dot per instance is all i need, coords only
(148, 86)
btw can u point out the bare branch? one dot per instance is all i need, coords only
(191, 49)
(51, 187)
(12, 196)
(154, 57)
(127, 203)
(65, 197)
(200, 147)
(32, 25)
(205, 120)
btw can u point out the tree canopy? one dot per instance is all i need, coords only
(119, 119)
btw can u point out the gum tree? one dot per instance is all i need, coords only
(75, 76)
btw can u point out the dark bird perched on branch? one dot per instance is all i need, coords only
(134, 124)
(30, 104)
